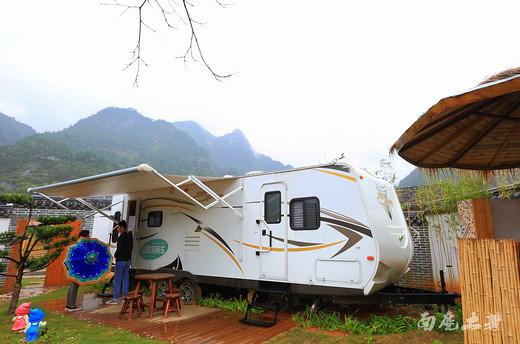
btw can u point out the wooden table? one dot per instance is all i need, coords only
(153, 278)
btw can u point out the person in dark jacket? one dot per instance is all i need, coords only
(125, 244)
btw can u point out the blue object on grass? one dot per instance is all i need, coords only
(35, 322)
(88, 261)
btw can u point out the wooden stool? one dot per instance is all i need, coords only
(172, 303)
(132, 301)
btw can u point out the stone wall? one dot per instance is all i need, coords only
(466, 219)
(5, 211)
(421, 269)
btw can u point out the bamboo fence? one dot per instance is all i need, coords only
(490, 290)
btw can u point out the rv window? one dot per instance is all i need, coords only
(305, 213)
(155, 219)
(273, 207)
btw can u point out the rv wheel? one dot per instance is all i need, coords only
(190, 291)
(162, 289)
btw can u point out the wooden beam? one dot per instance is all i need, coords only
(473, 143)
(440, 123)
(449, 140)
(506, 141)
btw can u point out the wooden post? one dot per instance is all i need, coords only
(15, 254)
(483, 220)
(57, 271)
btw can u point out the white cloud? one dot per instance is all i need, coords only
(313, 79)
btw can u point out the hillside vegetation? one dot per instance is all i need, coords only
(116, 138)
(11, 130)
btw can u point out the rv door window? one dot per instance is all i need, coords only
(273, 207)
(155, 219)
(305, 213)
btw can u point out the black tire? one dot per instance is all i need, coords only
(162, 289)
(190, 291)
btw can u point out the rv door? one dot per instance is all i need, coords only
(132, 221)
(131, 218)
(273, 231)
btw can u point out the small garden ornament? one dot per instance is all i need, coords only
(22, 314)
(34, 326)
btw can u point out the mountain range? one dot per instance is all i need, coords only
(117, 138)
(11, 130)
(415, 178)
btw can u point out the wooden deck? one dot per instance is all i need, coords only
(196, 324)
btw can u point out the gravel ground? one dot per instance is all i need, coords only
(29, 291)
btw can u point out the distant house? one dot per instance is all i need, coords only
(5, 217)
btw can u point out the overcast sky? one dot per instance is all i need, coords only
(312, 79)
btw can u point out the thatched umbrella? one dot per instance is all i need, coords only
(474, 130)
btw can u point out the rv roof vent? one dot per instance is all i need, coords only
(254, 172)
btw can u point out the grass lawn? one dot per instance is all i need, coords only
(373, 324)
(62, 329)
(303, 336)
(27, 282)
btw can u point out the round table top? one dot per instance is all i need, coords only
(154, 276)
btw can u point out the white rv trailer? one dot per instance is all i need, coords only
(327, 230)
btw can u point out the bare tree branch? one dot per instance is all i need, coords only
(136, 54)
(195, 40)
(167, 9)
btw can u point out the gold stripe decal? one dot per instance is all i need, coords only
(298, 249)
(216, 238)
(224, 249)
(337, 174)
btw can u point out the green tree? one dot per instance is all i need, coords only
(52, 232)
(386, 171)
(444, 189)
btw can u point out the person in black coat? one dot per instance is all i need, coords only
(125, 244)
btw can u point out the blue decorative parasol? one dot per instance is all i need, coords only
(88, 261)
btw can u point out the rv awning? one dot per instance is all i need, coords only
(130, 180)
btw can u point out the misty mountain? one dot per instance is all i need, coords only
(11, 130)
(414, 178)
(126, 137)
(243, 157)
(116, 138)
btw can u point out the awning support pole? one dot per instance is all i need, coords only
(204, 188)
(59, 204)
(100, 211)
(82, 201)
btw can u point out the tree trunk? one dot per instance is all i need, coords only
(16, 296)
(16, 291)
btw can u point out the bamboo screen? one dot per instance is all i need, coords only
(490, 289)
